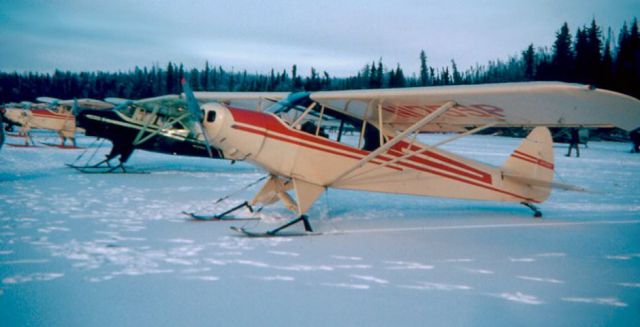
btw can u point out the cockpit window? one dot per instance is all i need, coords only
(297, 101)
(301, 112)
(211, 116)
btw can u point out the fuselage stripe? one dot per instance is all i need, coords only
(529, 158)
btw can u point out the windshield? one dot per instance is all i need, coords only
(300, 112)
(297, 101)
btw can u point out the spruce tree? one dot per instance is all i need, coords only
(581, 46)
(424, 74)
(528, 58)
(205, 76)
(562, 59)
(170, 77)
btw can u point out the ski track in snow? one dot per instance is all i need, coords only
(540, 279)
(520, 298)
(429, 286)
(111, 227)
(609, 301)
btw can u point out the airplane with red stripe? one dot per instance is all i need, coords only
(303, 143)
(50, 114)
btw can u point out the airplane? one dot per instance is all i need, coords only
(160, 124)
(51, 114)
(288, 142)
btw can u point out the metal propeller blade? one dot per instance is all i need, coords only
(75, 110)
(119, 103)
(195, 113)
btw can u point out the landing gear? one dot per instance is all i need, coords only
(536, 212)
(274, 190)
(224, 215)
(276, 231)
(102, 167)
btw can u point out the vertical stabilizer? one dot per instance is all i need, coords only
(532, 164)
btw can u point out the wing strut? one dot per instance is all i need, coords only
(426, 148)
(166, 125)
(419, 124)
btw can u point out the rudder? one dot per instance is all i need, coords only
(532, 164)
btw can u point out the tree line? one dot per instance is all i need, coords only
(589, 57)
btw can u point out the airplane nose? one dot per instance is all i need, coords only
(216, 120)
(234, 131)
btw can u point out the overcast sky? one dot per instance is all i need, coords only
(337, 36)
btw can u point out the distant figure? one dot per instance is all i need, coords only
(1, 131)
(635, 139)
(574, 142)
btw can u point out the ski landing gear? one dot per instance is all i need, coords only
(104, 166)
(276, 232)
(224, 215)
(536, 212)
(275, 189)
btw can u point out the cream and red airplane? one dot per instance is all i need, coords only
(50, 114)
(289, 141)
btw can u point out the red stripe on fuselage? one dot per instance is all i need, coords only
(463, 169)
(271, 123)
(278, 137)
(48, 114)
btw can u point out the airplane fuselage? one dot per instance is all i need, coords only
(263, 138)
(62, 122)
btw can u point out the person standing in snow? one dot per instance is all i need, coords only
(635, 139)
(574, 142)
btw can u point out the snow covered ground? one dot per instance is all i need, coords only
(114, 250)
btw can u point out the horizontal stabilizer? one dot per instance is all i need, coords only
(543, 183)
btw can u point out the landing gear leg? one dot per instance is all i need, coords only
(276, 232)
(243, 204)
(222, 216)
(536, 212)
(303, 218)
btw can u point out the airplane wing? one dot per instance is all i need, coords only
(530, 104)
(245, 100)
(88, 103)
(170, 105)
(83, 103)
(48, 100)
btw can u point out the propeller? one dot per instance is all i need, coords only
(52, 103)
(119, 103)
(75, 109)
(195, 114)
(26, 105)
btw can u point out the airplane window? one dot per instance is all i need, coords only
(371, 138)
(211, 116)
(344, 129)
(326, 122)
(300, 99)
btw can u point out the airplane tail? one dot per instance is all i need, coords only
(531, 164)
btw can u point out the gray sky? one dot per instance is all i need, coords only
(336, 36)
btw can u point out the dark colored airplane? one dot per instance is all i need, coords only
(166, 124)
